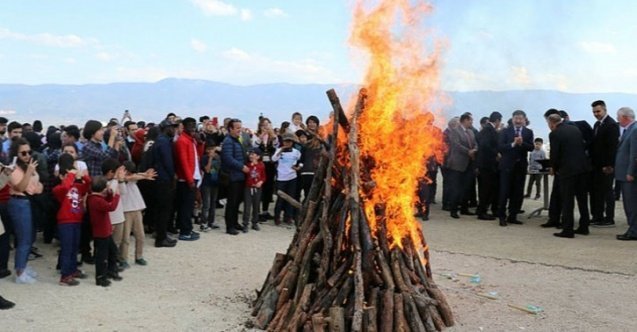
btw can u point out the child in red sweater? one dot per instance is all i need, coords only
(70, 194)
(252, 192)
(100, 202)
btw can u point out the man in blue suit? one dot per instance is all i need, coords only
(515, 142)
(626, 170)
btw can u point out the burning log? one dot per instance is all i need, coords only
(341, 272)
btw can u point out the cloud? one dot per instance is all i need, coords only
(49, 39)
(236, 54)
(275, 13)
(246, 15)
(198, 45)
(595, 47)
(105, 56)
(216, 7)
(520, 75)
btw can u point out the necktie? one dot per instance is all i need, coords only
(466, 132)
(597, 124)
(517, 131)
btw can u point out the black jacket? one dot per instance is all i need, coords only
(568, 157)
(487, 148)
(604, 143)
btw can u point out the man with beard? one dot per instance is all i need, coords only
(187, 152)
(163, 192)
(603, 149)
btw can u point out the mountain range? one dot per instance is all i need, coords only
(66, 104)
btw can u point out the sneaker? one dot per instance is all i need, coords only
(605, 224)
(68, 281)
(256, 227)
(188, 237)
(205, 228)
(195, 234)
(24, 278)
(103, 281)
(141, 261)
(213, 226)
(124, 265)
(88, 259)
(79, 274)
(29, 270)
(5, 304)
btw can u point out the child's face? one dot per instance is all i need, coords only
(538, 145)
(297, 119)
(287, 144)
(110, 175)
(303, 139)
(254, 157)
(210, 151)
(70, 150)
(311, 125)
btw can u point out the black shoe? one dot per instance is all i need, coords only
(550, 224)
(245, 228)
(467, 213)
(454, 215)
(486, 217)
(582, 231)
(166, 243)
(626, 237)
(5, 304)
(4, 273)
(605, 224)
(446, 208)
(114, 276)
(88, 259)
(232, 231)
(102, 281)
(213, 226)
(256, 227)
(473, 204)
(503, 222)
(425, 218)
(563, 234)
(527, 196)
(521, 212)
(515, 222)
(596, 222)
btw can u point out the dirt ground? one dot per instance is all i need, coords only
(582, 284)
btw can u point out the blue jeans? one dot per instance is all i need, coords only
(69, 235)
(20, 214)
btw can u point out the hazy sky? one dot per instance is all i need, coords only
(577, 46)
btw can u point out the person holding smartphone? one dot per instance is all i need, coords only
(288, 165)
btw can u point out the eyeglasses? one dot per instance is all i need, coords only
(25, 153)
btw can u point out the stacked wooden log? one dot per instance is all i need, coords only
(338, 274)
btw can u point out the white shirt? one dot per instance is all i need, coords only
(117, 216)
(286, 160)
(132, 199)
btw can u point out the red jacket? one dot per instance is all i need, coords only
(4, 194)
(71, 194)
(98, 208)
(256, 174)
(185, 157)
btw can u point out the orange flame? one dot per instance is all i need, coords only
(396, 127)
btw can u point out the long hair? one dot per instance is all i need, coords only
(13, 152)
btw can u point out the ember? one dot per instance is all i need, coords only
(358, 260)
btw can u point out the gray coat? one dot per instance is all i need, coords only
(626, 157)
(459, 145)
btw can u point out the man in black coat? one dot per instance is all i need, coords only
(487, 166)
(569, 160)
(514, 144)
(602, 151)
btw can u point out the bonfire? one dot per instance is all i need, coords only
(358, 260)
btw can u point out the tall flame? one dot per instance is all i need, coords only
(396, 127)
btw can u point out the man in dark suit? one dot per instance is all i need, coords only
(487, 166)
(626, 170)
(462, 152)
(444, 169)
(602, 151)
(514, 144)
(569, 160)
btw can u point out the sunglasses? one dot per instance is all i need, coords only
(25, 153)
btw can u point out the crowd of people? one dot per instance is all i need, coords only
(91, 188)
(591, 165)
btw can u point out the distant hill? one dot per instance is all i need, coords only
(65, 104)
